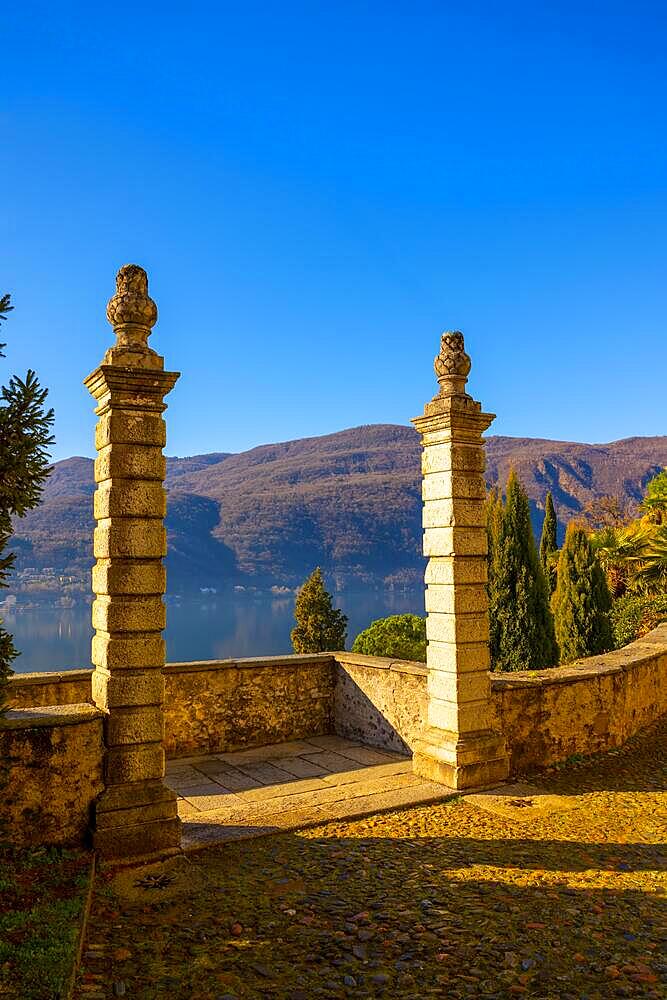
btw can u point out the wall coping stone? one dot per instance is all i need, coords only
(382, 663)
(617, 661)
(49, 716)
(51, 677)
(191, 666)
(640, 651)
(249, 662)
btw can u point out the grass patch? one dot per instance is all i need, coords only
(42, 895)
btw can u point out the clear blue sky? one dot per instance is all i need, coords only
(318, 189)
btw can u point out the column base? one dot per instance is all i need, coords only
(136, 821)
(462, 761)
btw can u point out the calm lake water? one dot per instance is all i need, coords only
(217, 628)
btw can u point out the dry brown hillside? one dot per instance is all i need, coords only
(349, 502)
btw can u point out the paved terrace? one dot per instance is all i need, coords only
(233, 796)
(550, 891)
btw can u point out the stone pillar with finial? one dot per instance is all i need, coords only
(458, 746)
(136, 814)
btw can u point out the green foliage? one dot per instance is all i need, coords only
(651, 574)
(634, 555)
(654, 503)
(43, 895)
(24, 437)
(581, 601)
(494, 519)
(618, 551)
(522, 630)
(634, 615)
(402, 636)
(319, 626)
(549, 542)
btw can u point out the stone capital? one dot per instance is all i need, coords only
(461, 413)
(130, 388)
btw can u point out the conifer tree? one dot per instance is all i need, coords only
(24, 437)
(522, 634)
(581, 602)
(319, 626)
(548, 541)
(494, 517)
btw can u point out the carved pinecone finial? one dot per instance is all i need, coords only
(132, 311)
(452, 365)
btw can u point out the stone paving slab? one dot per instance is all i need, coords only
(332, 762)
(294, 748)
(336, 743)
(403, 766)
(232, 779)
(207, 803)
(300, 767)
(221, 826)
(285, 786)
(265, 773)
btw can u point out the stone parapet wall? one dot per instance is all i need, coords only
(215, 705)
(53, 756)
(67, 687)
(232, 704)
(546, 716)
(587, 707)
(380, 701)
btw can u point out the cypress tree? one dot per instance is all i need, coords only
(522, 634)
(319, 626)
(548, 541)
(581, 602)
(494, 517)
(24, 437)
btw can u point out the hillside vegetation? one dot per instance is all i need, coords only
(348, 502)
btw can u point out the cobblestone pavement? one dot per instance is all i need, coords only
(550, 890)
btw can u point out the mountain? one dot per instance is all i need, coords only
(349, 502)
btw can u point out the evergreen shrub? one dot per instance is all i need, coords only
(634, 615)
(401, 636)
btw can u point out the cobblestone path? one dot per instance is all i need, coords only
(551, 892)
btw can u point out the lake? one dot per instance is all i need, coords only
(219, 627)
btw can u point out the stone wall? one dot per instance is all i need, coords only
(546, 716)
(71, 687)
(231, 704)
(380, 701)
(54, 760)
(590, 706)
(216, 705)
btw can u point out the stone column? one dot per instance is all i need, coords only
(458, 746)
(136, 814)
